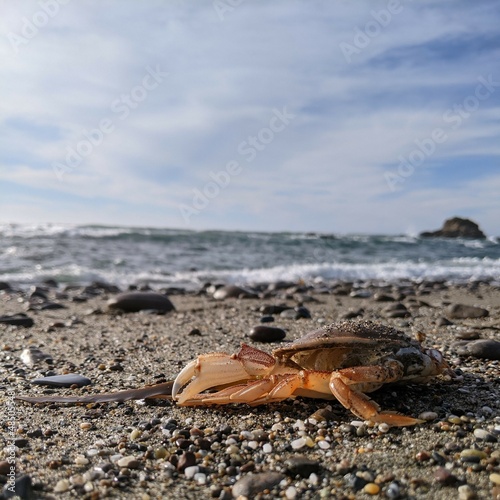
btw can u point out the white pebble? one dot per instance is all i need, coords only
(189, 472)
(277, 427)
(92, 452)
(253, 444)
(357, 423)
(428, 415)
(62, 485)
(297, 444)
(267, 448)
(81, 460)
(383, 427)
(115, 458)
(291, 492)
(246, 435)
(200, 478)
(323, 444)
(299, 424)
(313, 479)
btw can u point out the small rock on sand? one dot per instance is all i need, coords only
(140, 301)
(461, 311)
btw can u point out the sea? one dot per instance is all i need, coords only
(82, 254)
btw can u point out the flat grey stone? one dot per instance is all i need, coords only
(251, 484)
(66, 380)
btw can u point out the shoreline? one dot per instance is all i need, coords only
(67, 450)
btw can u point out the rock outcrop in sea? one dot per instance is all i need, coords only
(456, 227)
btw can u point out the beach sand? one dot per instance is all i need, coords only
(82, 451)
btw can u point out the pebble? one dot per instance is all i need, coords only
(465, 492)
(251, 484)
(81, 460)
(66, 380)
(484, 435)
(302, 466)
(189, 472)
(299, 443)
(4, 468)
(267, 334)
(481, 348)
(267, 319)
(139, 301)
(371, 488)
(20, 319)
(129, 462)
(267, 448)
(187, 459)
(33, 356)
(291, 493)
(428, 416)
(472, 455)
(62, 486)
(495, 478)
(462, 311)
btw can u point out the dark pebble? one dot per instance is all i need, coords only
(195, 332)
(138, 301)
(296, 313)
(482, 348)
(266, 319)
(187, 459)
(302, 466)
(4, 466)
(22, 489)
(267, 334)
(251, 484)
(63, 380)
(20, 319)
(443, 322)
(461, 311)
(48, 306)
(273, 309)
(382, 297)
(469, 335)
(396, 310)
(21, 442)
(355, 482)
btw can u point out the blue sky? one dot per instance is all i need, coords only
(368, 116)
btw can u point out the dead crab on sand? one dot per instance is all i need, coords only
(342, 361)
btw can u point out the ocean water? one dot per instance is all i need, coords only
(30, 254)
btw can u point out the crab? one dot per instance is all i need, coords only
(342, 361)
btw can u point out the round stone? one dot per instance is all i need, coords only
(263, 333)
(139, 301)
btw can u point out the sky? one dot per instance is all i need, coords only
(330, 116)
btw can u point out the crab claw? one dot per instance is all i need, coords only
(216, 369)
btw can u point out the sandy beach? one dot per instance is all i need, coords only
(155, 449)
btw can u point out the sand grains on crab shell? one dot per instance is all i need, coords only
(343, 361)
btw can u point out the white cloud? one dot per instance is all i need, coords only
(224, 79)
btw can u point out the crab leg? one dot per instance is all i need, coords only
(347, 384)
(216, 369)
